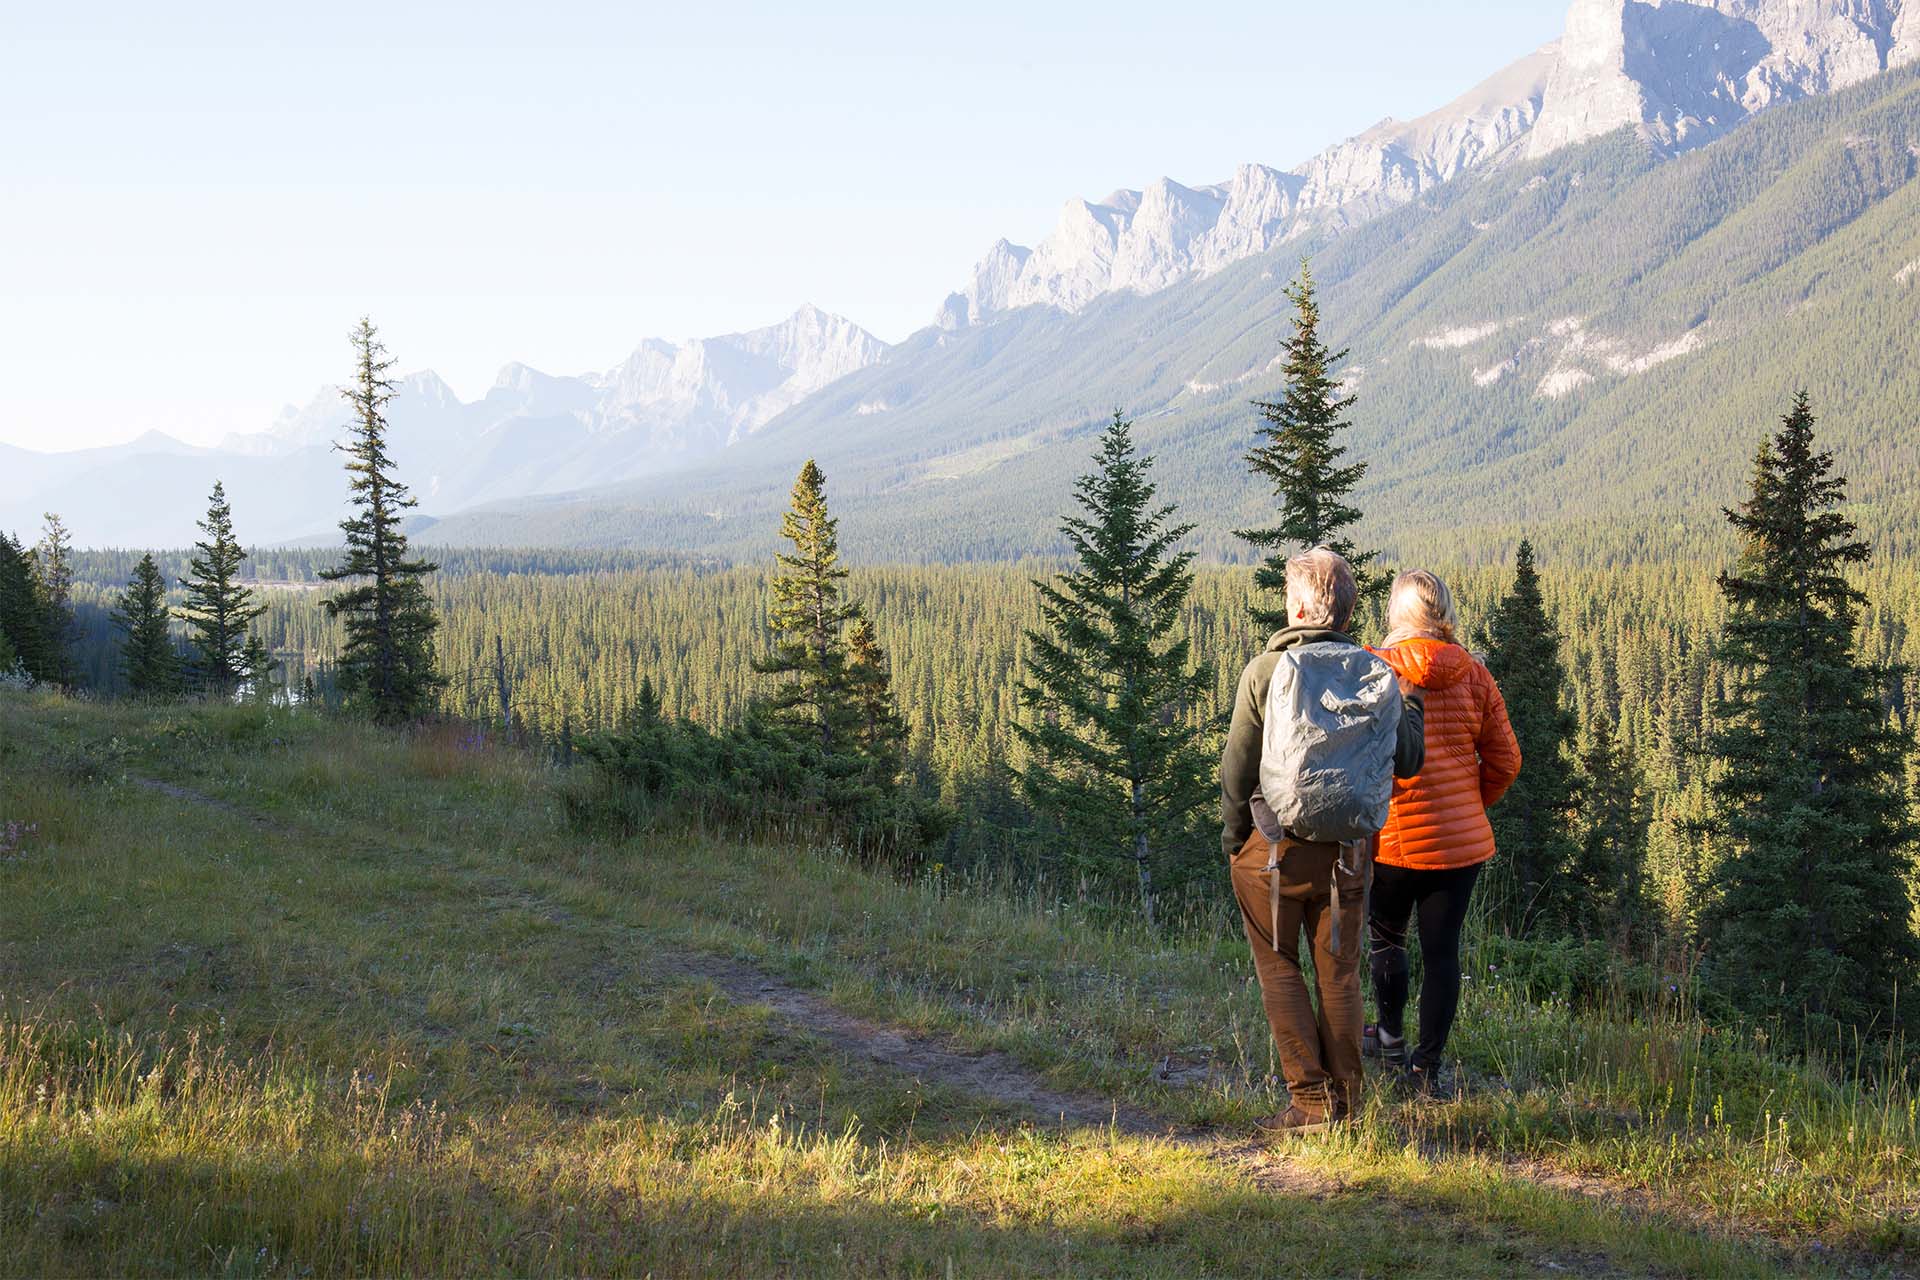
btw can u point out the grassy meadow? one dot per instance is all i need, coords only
(287, 995)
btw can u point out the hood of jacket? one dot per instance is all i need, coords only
(1293, 637)
(1429, 664)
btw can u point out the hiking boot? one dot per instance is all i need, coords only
(1425, 1082)
(1378, 1042)
(1293, 1122)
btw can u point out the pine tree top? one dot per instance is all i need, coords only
(375, 540)
(1796, 542)
(806, 593)
(1297, 450)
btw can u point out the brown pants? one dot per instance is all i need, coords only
(1319, 1050)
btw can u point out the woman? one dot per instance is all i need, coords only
(1437, 836)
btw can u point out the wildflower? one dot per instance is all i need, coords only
(13, 835)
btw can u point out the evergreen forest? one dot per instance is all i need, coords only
(1054, 722)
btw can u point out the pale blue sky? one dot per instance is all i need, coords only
(197, 200)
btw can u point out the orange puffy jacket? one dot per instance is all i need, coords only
(1439, 816)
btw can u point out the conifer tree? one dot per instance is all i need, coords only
(1116, 765)
(1299, 453)
(1813, 919)
(808, 617)
(52, 559)
(258, 661)
(148, 658)
(388, 656)
(880, 731)
(23, 622)
(1608, 876)
(1533, 824)
(219, 610)
(647, 704)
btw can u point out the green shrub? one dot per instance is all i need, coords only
(753, 778)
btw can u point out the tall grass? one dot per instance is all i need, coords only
(424, 1010)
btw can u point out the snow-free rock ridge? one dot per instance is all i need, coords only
(1681, 72)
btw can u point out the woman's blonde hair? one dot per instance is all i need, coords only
(1420, 605)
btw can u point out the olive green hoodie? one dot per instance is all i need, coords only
(1240, 760)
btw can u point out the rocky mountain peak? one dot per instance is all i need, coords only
(427, 387)
(1145, 240)
(1681, 71)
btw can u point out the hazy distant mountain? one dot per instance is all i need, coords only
(531, 433)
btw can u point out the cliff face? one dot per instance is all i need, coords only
(1682, 72)
(1143, 241)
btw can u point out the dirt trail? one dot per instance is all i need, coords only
(177, 792)
(998, 1077)
(988, 1074)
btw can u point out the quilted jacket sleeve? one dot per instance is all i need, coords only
(1499, 749)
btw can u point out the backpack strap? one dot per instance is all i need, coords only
(1273, 891)
(1353, 856)
(1356, 850)
(1333, 932)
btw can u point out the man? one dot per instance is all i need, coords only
(1288, 885)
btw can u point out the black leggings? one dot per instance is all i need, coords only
(1441, 899)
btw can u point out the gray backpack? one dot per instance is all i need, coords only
(1326, 754)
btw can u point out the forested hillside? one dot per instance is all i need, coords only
(1582, 348)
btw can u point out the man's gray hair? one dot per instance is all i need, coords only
(1320, 590)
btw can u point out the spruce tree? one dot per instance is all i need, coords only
(148, 658)
(1116, 763)
(647, 704)
(1813, 921)
(880, 731)
(1300, 455)
(23, 622)
(1608, 878)
(808, 617)
(387, 659)
(1533, 826)
(52, 559)
(219, 609)
(258, 660)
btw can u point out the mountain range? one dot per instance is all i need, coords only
(531, 433)
(1613, 235)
